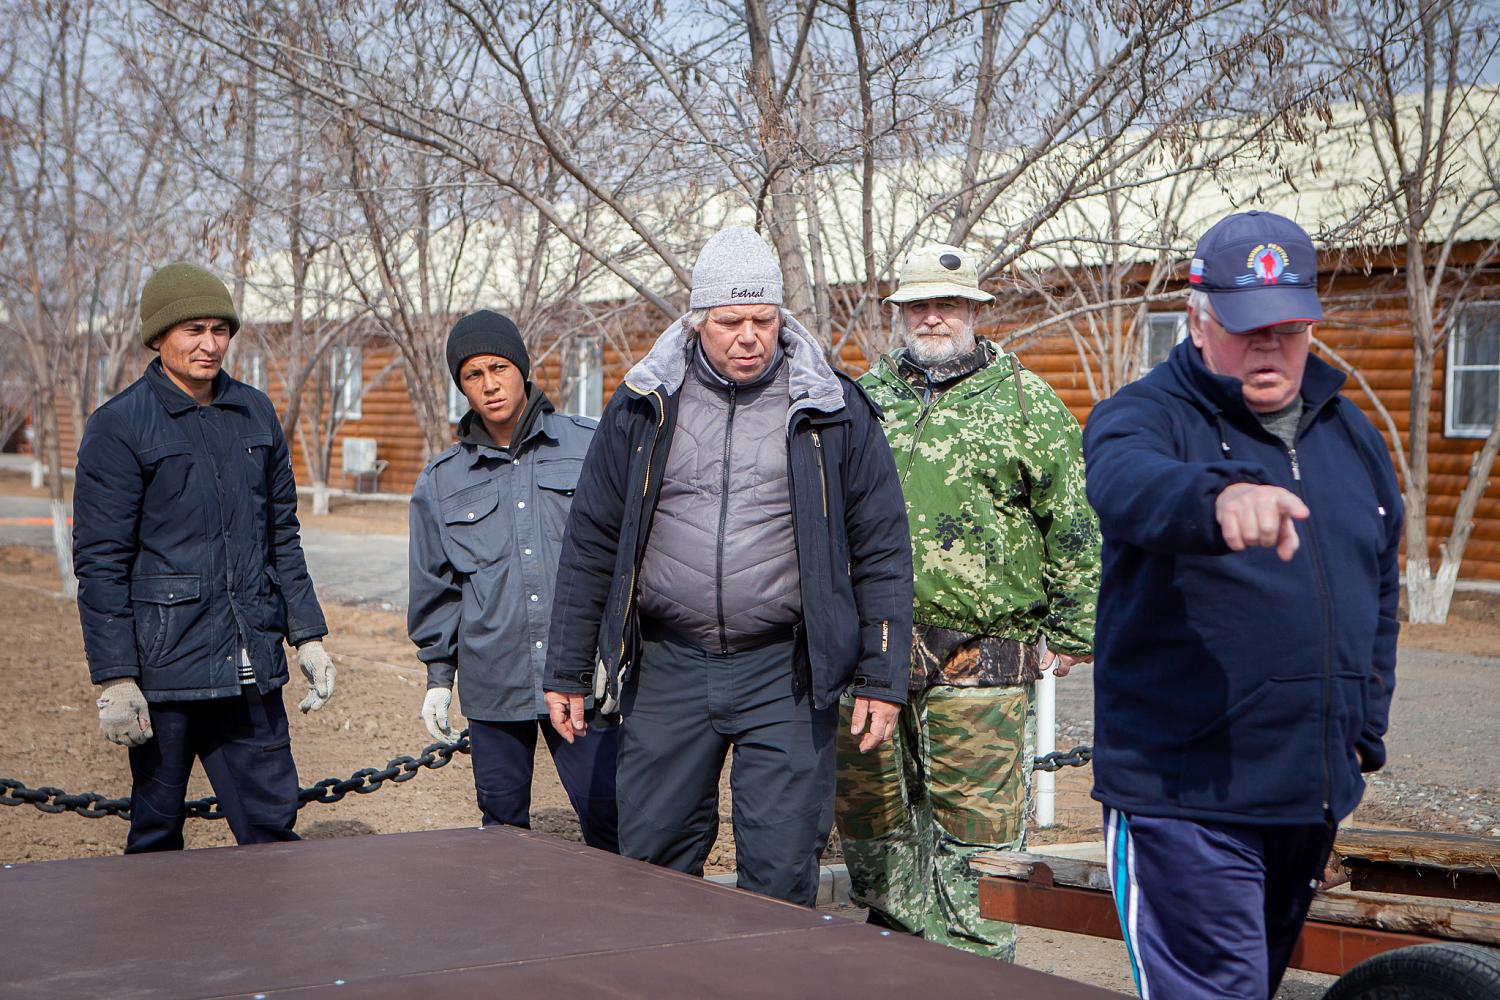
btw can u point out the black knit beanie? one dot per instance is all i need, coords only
(486, 332)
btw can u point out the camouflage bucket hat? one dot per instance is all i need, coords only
(938, 271)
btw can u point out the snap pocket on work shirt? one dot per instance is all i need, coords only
(477, 536)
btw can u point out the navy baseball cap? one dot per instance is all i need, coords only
(1258, 269)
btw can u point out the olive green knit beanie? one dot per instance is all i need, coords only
(180, 292)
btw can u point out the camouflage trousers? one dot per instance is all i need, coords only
(952, 782)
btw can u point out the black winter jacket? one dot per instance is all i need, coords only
(1232, 686)
(186, 542)
(853, 545)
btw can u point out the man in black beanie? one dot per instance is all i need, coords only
(487, 520)
(191, 575)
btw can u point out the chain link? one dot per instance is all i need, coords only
(1079, 756)
(330, 790)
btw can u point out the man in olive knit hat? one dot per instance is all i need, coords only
(191, 575)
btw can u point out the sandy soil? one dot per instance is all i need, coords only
(372, 718)
(384, 517)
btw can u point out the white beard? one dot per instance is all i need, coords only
(929, 354)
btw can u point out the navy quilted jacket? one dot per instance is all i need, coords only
(186, 542)
(1232, 686)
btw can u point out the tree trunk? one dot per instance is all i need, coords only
(320, 496)
(1419, 576)
(775, 136)
(62, 527)
(1428, 596)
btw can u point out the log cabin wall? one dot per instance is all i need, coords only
(1365, 322)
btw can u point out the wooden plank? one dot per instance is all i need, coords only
(1451, 866)
(1080, 873)
(1435, 850)
(1454, 923)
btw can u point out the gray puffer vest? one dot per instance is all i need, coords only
(720, 568)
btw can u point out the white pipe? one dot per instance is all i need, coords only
(1046, 742)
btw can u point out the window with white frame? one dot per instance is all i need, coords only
(253, 367)
(585, 380)
(1161, 333)
(458, 403)
(347, 377)
(1472, 393)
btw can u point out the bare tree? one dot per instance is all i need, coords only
(1431, 129)
(846, 131)
(87, 186)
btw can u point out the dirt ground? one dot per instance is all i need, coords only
(345, 513)
(373, 717)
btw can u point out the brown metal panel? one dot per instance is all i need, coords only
(1058, 907)
(835, 960)
(486, 906)
(249, 919)
(1335, 949)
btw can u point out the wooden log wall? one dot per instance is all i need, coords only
(1365, 323)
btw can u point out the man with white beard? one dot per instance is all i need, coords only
(1005, 554)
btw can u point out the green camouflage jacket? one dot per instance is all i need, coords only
(1004, 542)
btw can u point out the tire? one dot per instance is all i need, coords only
(1445, 971)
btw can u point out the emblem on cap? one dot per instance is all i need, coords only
(950, 260)
(1267, 264)
(1195, 272)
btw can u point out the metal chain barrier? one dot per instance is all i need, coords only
(363, 782)
(1079, 756)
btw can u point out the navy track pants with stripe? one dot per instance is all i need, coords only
(1211, 909)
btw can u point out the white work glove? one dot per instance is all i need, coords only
(435, 714)
(318, 669)
(123, 715)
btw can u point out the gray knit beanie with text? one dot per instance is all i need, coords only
(736, 268)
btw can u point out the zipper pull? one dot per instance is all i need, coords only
(817, 441)
(1296, 469)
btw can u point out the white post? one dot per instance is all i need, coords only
(1046, 742)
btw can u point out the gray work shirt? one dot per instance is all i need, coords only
(487, 526)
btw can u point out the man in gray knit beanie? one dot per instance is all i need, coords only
(737, 557)
(736, 267)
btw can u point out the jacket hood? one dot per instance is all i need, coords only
(811, 381)
(1186, 376)
(471, 429)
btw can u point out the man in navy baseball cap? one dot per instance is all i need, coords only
(1239, 696)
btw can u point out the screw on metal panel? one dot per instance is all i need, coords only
(338, 982)
(885, 933)
(827, 917)
(260, 996)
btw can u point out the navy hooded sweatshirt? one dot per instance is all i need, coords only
(1232, 686)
